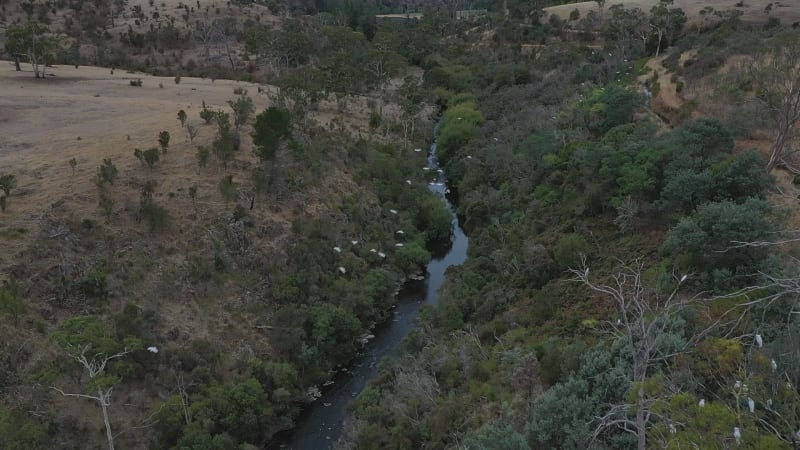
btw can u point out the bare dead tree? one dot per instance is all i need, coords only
(776, 78)
(644, 317)
(95, 367)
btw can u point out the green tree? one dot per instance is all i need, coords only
(272, 127)
(242, 110)
(163, 141)
(10, 301)
(86, 340)
(34, 41)
(106, 173)
(667, 23)
(7, 183)
(203, 154)
(182, 116)
(713, 238)
(224, 145)
(151, 156)
(228, 188)
(19, 433)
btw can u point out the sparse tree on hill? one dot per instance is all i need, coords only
(667, 23)
(34, 41)
(106, 173)
(73, 163)
(151, 157)
(85, 340)
(163, 141)
(202, 156)
(7, 183)
(242, 110)
(182, 117)
(228, 188)
(10, 300)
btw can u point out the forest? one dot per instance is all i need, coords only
(626, 178)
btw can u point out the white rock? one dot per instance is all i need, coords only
(759, 341)
(417, 150)
(382, 255)
(393, 211)
(337, 249)
(398, 244)
(342, 270)
(354, 242)
(408, 182)
(372, 250)
(152, 349)
(702, 403)
(774, 365)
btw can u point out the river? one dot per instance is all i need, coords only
(320, 424)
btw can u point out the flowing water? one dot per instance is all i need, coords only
(320, 425)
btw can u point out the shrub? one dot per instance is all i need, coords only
(7, 183)
(708, 240)
(228, 188)
(106, 173)
(182, 118)
(151, 156)
(177, 79)
(137, 82)
(570, 250)
(207, 115)
(202, 156)
(271, 128)
(163, 141)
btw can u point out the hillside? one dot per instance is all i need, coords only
(209, 209)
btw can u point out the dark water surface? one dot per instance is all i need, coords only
(319, 426)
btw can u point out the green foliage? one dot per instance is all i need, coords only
(709, 240)
(459, 125)
(207, 115)
(106, 204)
(241, 409)
(151, 156)
(35, 41)
(7, 183)
(163, 141)
(271, 128)
(10, 301)
(156, 216)
(606, 108)
(20, 433)
(411, 258)
(375, 120)
(497, 436)
(242, 110)
(203, 153)
(431, 215)
(181, 113)
(228, 188)
(570, 250)
(225, 143)
(88, 332)
(106, 173)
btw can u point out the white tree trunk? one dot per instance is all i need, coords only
(103, 399)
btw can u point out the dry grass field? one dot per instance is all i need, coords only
(90, 115)
(753, 10)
